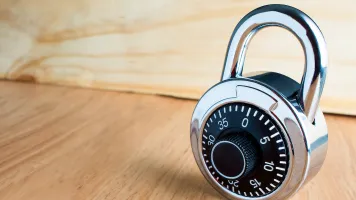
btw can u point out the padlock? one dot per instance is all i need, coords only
(263, 136)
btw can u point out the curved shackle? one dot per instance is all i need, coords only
(308, 34)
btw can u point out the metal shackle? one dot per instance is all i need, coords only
(308, 34)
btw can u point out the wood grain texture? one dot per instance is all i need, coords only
(67, 143)
(163, 47)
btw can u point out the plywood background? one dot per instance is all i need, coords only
(164, 46)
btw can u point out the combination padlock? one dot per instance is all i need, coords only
(263, 136)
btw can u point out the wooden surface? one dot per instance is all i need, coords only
(65, 143)
(164, 46)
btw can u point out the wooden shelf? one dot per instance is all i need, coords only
(70, 143)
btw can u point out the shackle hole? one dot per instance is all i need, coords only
(275, 49)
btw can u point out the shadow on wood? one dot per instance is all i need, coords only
(173, 180)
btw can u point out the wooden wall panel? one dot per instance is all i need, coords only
(163, 46)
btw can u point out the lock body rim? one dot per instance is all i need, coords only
(307, 143)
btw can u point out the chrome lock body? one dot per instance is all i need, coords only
(263, 136)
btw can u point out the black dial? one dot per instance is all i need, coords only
(244, 150)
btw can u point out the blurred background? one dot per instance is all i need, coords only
(77, 116)
(172, 48)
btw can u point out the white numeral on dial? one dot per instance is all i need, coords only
(269, 166)
(244, 122)
(234, 183)
(211, 140)
(223, 123)
(255, 183)
(264, 140)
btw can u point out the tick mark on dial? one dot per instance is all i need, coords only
(219, 114)
(242, 108)
(263, 192)
(274, 135)
(267, 122)
(281, 148)
(268, 189)
(248, 112)
(261, 117)
(280, 169)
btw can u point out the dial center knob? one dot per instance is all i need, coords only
(228, 159)
(234, 156)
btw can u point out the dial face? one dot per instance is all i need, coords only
(244, 150)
